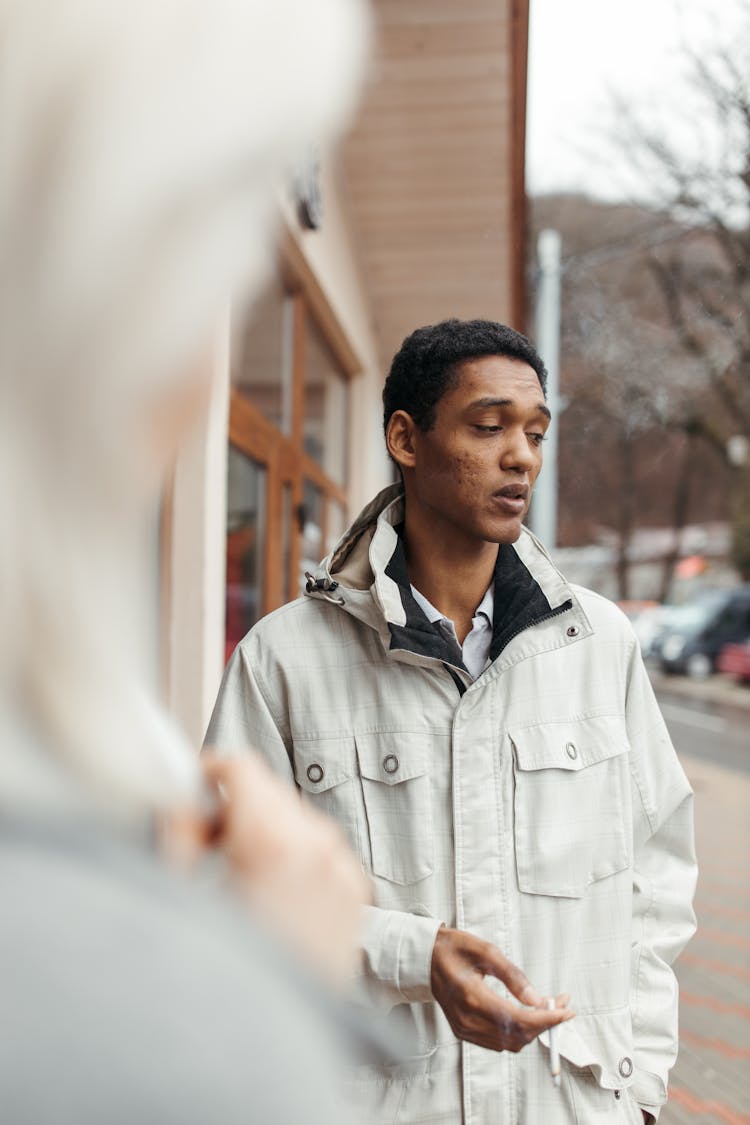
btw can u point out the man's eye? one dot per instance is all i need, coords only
(537, 439)
(489, 429)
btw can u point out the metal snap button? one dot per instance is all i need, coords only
(390, 763)
(625, 1067)
(572, 631)
(315, 772)
(570, 750)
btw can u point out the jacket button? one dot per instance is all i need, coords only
(570, 750)
(390, 763)
(572, 631)
(315, 773)
(618, 1094)
(625, 1067)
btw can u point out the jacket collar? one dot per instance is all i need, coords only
(367, 571)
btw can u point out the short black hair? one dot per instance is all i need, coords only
(427, 363)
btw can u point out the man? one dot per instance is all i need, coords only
(487, 737)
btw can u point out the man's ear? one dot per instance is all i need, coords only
(399, 437)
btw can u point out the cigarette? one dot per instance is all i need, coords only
(554, 1054)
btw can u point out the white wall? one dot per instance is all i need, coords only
(194, 650)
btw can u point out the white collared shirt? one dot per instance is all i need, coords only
(476, 647)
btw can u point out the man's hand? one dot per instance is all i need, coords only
(292, 863)
(460, 962)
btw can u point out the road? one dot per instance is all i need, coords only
(710, 1084)
(711, 731)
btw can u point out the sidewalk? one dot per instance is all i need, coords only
(711, 1082)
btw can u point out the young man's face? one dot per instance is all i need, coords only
(476, 467)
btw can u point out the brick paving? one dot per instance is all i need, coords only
(711, 1082)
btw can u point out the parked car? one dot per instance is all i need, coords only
(734, 660)
(675, 616)
(698, 631)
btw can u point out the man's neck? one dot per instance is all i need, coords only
(452, 572)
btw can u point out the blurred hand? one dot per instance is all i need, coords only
(293, 864)
(460, 962)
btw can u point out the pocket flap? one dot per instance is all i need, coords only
(602, 1044)
(321, 763)
(570, 744)
(392, 758)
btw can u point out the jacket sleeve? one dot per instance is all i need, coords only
(397, 958)
(664, 878)
(396, 946)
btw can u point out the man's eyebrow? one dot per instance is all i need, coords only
(482, 403)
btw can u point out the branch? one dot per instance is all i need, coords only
(692, 343)
(696, 425)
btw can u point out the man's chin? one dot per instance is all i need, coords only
(506, 532)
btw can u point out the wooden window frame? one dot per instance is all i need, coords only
(283, 456)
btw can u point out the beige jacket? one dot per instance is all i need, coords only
(541, 807)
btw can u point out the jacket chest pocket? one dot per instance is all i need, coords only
(326, 770)
(571, 804)
(398, 807)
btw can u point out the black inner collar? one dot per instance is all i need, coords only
(518, 597)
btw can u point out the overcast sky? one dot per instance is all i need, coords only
(580, 51)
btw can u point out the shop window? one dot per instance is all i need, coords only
(262, 356)
(335, 524)
(325, 407)
(311, 527)
(246, 531)
(288, 426)
(289, 520)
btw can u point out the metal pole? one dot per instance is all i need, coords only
(544, 505)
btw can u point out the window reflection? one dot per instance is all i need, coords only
(326, 403)
(288, 527)
(246, 530)
(335, 524)
(262, 356)
(311, 547)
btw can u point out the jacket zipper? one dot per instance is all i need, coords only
(538, 621)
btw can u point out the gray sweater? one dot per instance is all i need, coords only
(133, 996)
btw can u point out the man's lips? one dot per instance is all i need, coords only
(513, 491)
(512, 498)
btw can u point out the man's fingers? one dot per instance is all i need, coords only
(499, 1010)
(224, 770)
(539, 1020)
(514, 979)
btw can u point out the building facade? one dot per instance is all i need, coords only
(420, 216)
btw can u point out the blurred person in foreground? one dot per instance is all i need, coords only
(143, 145)
(486, 734)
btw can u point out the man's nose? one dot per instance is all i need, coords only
(518, 452)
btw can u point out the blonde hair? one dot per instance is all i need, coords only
(142, 145)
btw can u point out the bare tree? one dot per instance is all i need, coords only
(703, 272)
(626, 461)
(615, 384)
